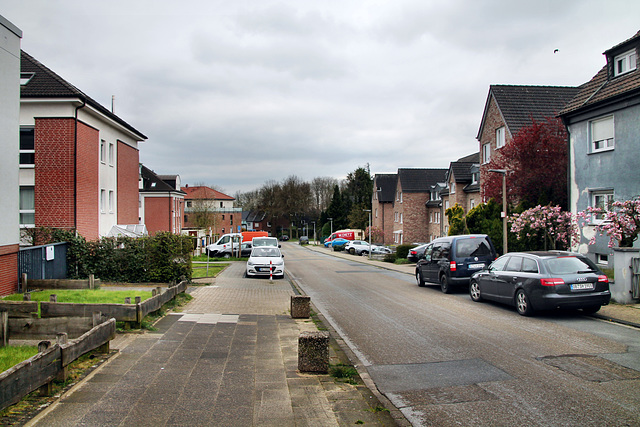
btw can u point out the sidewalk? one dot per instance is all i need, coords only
(625, 314)
(229, 359)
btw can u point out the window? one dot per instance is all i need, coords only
(529, 266)
(221, 204)
(624, 63)
(110, 200)
(188, 203)
(103, 200)
(446, 205)
(376, 212)
(111, 152)
(102, 151)
(602, 259)
(474, 177)
(500, 141)
(602, 200)
(453, 188)
(230, 219)
(401, 218)
(401, 197)
(472, 204)
(27, 147)
(486, 153)
(602, 134)
(437, 217)
(27, 206)
(395, 217)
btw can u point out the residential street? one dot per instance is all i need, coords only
(445, 360)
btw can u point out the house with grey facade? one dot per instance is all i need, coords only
(603, 121)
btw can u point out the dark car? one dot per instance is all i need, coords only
(416, 253)
(533, 281)
(452, 260)
(245, 251)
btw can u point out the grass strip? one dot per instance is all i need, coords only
(11, 356)
(84, 296)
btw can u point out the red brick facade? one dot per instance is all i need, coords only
(383, 219)
(87, 187)
(128, 174)
(492, 121)
(410, 216)
(8, 269)
(155, 214)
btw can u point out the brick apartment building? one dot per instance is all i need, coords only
(508, 109)
(161, 202)
(401, 205)
(78, 161)
(9, 122)
(462, 186)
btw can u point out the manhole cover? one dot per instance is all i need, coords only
(591, 368)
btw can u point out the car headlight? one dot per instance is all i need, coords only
(249, 263)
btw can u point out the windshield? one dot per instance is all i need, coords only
(265, 252)
(265, 241)
(569, 265)
(472, 247)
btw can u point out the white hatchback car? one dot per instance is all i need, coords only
(264, 261)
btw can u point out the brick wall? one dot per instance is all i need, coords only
(157, 214)
(493, 121)
(88, 191)
(8, 269)
(128, 175)
(54, 166)
(415, 227)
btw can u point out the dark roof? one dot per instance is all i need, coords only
(44, 83)
(519, 105)
(256, 216)
(387, 183)
(603, 88)
(420, 180)
(154, 183)
(471, 158)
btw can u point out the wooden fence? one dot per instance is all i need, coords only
(40, 370)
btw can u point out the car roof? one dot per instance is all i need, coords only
(452, 238)
(547, 254)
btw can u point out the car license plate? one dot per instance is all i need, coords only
(476, 266)
(581, 286)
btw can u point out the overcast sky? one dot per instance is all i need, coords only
(235, 93)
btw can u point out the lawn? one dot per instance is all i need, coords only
(11, 356)
(200, 270)
(86, 296)
(202, 258)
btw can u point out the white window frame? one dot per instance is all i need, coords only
(103, 148)
(401, 218)
(472, 204)
(28, 151)
(27, 209)
(453, 188)
(103, 200)
(500, 137)
(111, 154)
(111, 200)
(608, 143)
(486, 153)
(602, 259)
(606, 197)
(437, 217)
(625, 62)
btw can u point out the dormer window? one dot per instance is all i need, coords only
(624, 63)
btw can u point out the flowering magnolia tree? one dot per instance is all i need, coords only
(620, 221)
(377, 234)
(556, 226)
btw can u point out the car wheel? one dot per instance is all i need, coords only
(523, 305)
(591, 310)
(419, 279)
(444, 284)
(474, 291)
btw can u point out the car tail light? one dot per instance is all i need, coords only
(603, 279)
(452, 266)
(413, 252)
(551, 282)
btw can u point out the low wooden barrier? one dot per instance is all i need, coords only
(22, 309)
(41, 369)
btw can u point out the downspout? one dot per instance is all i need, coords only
(75, 165)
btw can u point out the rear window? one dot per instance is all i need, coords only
(265, 252)
(472, 247)
(569, 265)
(265, 241)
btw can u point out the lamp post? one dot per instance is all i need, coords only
(331, 219)
(369, 210)
(314, 232)
(503, 172)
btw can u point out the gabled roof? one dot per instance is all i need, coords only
(519, 105)
(387, 183)
(256, 216)
(203, 192)
(154, 183)
(420, 180)
(44, 83)
(603, 87)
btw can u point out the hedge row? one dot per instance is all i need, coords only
(163, 258)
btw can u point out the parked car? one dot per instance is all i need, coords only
(416, 253)
(304, 240)
(265, 241)
(245, 251)
(355, 247)
(338, 244)
(452, 260)
(375, 249)
(339, 241)
(533, 281)
(264, 261)
(284, 238)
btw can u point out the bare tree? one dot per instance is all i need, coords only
(322, 192)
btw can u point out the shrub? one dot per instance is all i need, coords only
(403, 250)
(390, 258)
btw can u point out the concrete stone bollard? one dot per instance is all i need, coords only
(313, 351)
(300, 306)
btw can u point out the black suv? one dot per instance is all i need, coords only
(452, 260)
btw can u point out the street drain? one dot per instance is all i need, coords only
(591, 368)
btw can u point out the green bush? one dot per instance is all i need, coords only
(165, 257)
(390, 258)
(403, 250)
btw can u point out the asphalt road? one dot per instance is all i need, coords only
(445, 360)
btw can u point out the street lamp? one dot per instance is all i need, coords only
(314, 232)
(503, 172)
(369, 210)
